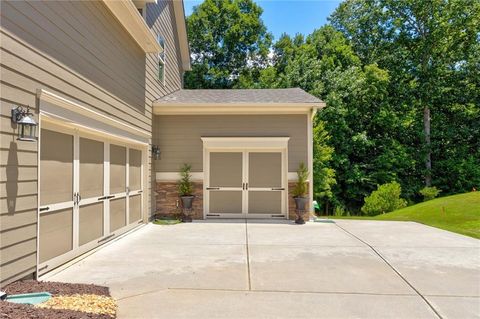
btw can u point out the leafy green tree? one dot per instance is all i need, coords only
(227, 39)
(323, 173)
(401, 80)
(420, 42)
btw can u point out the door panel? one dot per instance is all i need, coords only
(91, 168)
(117, 214)
(135, 169)
(90, 222)
(247, 183)
(118, 164)
(55, 234)
(226, 202)
(56, 167)
(226, 169)
(84, 196)
(135, 208)
(264, 202)
(264, 170)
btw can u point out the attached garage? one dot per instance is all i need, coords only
(91, 182)
(244, 147)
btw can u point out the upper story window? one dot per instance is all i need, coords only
(161, 60)
(141, 7)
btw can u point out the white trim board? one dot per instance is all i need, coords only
(175, 176)
(199, 176)
(74, 114)
(163, 108)
(127, 14)
(245, 142)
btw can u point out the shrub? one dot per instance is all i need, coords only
(429, 193)
(185, 186)
(301, 187)
(385, 199)
(341, 211)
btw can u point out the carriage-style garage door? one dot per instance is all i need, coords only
(90, 191)
(245, 177)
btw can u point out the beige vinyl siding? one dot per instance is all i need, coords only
(160, 19)
(75, 49)
(179, 136)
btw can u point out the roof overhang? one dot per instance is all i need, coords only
(181, 25)
(128, 16)
(235, 108)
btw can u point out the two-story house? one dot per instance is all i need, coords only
(102, 81)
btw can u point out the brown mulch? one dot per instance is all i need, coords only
(18, 311)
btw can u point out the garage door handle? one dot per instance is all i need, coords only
(43, 209)
(213, 188)
(106, 238)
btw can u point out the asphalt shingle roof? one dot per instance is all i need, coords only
(234, 96)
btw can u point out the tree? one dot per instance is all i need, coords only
(323, 173)
(418, 41)
(227, 39)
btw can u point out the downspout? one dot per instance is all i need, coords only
(311, 116)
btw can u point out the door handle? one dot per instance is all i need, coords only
(213, 188)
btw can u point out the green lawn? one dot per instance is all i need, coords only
(456, 213)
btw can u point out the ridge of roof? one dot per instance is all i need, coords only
(238, 96)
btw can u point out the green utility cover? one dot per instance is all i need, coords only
(30, 299)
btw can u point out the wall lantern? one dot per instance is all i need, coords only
(156, 152)
(27, 127)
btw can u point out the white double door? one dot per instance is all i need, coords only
(246, 184)
(90, 191)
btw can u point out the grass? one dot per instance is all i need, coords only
(456, 213)
(166, 221)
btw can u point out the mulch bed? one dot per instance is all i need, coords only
(19, 311)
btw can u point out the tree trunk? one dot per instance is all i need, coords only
(428, 148)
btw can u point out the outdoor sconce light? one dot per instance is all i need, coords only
(156, 152)
(27, 127)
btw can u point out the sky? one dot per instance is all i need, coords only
(289, 16)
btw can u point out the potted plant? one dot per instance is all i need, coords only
(185, 191)
(300, 193)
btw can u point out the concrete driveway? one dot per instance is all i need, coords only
(276, 269)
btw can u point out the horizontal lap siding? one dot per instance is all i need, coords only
(179, 136)
(160, 18)
(78, 50)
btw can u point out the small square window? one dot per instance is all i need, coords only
(161, 60)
